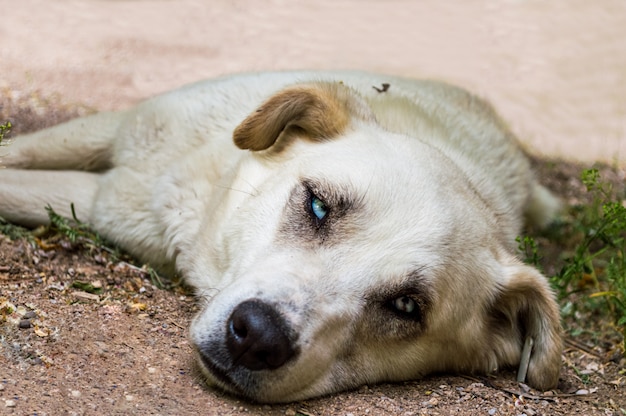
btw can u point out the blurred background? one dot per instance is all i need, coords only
(555, 70)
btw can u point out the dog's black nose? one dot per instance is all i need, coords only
(257, 337)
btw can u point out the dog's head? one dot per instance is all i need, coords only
(348, 254)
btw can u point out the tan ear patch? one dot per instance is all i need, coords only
(527, 308)
(318, 111)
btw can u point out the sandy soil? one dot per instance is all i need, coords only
(554, 70)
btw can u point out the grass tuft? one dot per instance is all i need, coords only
(81, 233)
(593, 238)
(75, 230)
(5, 128)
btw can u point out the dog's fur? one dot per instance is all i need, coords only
(340, 228)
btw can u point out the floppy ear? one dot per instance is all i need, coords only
(525, 307)
(318, 111)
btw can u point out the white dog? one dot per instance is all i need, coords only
(340, 228)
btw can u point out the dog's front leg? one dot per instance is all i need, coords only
(24, 194)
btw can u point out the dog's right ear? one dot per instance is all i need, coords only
(523, 308)
(317, 111)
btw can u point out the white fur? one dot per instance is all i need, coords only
(440, 190)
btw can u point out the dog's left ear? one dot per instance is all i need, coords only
(525, 307)
(317, 111)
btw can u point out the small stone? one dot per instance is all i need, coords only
(430, 403)
(492, 411)
(129, 397)
(102, 347)
(25, 323)
(86, 296)
(582, 392)
(10, 403)
(290, 412)
(75, 393)
(30, 315)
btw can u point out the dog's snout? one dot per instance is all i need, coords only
(258, 337)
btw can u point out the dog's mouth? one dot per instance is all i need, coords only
(218, 374)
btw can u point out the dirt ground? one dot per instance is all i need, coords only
(82, 332)
(555, 70)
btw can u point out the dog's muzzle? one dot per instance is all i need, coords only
(257, 341)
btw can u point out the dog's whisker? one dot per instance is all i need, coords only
(237, 190)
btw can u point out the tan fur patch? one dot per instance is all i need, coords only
(527, 303)
(319, 111)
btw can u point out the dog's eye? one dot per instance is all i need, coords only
(406, 307)
(318, 208)
(404, 304)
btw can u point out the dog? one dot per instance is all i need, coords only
(339, 228)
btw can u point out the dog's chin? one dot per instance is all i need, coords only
(217, 378)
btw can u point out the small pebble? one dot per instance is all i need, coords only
(430, 403)
(582, 392)
(290, 412)
(492, 411)
(30, 315)
(102, 347)
(75, 393)
(10, 403)
(25, 324)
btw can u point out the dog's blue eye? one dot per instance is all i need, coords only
(319, 208)
(405, 305)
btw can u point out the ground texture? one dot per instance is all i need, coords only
(84, 332)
